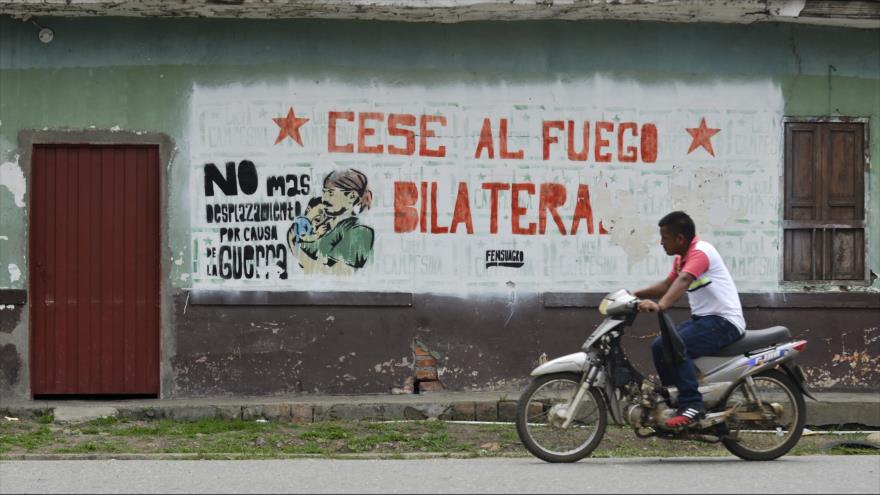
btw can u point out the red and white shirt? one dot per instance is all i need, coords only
(712, 291)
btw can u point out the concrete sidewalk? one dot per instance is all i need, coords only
(834, 409)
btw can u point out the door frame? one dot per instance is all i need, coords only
(26, 141)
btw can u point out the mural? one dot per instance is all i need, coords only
(555, 186)
(328, 238)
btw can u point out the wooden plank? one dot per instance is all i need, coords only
(118, 268)
(83, 263)
(840, 202)
(154, 235)
(107, 259)
(96, 261)
(821, 224)
(140, 261)
(62, 274)
(51, 299)
(801, 162)
(129, 234)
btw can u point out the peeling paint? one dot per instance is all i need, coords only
(14, 272)
(635, 234)
(12, 177)
(389, 365)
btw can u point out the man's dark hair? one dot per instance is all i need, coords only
(678, 222)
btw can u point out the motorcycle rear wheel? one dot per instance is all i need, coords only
(768, 439)
(543, 436)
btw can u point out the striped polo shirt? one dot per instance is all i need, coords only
(712, 291)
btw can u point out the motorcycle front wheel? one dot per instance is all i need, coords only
(769, 423)
(539, 424)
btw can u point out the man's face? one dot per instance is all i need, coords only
(336, 201)
(672, 243)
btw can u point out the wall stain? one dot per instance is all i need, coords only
(10, 315)
(10, 366)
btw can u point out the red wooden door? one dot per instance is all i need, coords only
(94, 270)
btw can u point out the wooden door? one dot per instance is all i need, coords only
(824, 220)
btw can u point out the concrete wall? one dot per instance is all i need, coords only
(215, 88)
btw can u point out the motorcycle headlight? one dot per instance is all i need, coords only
(603, 306)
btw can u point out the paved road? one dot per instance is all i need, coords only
(813, 474)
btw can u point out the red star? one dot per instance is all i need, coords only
(289, 127)
(701, 137)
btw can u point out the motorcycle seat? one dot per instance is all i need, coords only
(755, 339)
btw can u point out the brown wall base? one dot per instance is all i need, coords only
(218, 346)
(481, 343)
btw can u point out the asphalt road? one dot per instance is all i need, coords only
(812, 474)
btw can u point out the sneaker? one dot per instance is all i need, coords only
(685, 416)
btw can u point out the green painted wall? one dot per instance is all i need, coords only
(137, 75)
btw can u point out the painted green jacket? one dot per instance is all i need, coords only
(349, 242)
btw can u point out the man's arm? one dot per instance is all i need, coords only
(676, 289)
(654, 291)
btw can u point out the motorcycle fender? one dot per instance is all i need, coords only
(797, 376)
(570, 363)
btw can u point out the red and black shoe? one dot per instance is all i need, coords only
(684, 417)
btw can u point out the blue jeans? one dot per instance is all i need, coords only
(703, 336)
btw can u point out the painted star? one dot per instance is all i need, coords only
(702, 137)
(289, 127)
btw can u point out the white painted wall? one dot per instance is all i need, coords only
(733, 196)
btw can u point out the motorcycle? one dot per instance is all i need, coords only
(752, 389)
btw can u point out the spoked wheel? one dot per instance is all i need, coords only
(767, 430)
(541, 413)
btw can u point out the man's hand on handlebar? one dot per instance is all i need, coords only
(648, 306)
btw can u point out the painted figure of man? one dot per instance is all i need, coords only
(329, 238)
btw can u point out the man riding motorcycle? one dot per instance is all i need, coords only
(716, 313)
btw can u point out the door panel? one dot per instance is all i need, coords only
(95, 268)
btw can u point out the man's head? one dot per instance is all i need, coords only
(677, 230)
(344, 190)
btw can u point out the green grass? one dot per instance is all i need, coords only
(507, 433)
(214, 438)
(27, 439)
(168, 427)
(325, 431)
(46, 417)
